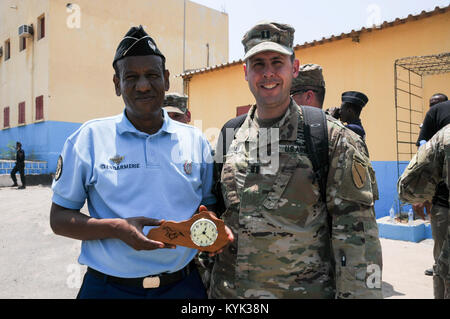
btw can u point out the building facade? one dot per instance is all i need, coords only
(58, 73)
(363, 60)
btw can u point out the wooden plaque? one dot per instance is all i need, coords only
(179, 233)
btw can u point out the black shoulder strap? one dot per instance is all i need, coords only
(316, 136)
(226, 137)
(234, 124)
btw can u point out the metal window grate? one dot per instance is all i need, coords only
(409, 73)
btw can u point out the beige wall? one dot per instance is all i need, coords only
(80, 62)
(212, 30)
(435, 84)
(367, 66)
(24, 76)
(72, 66)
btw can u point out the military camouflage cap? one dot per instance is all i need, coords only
(269, 36)
(176, 103)
(309, 75)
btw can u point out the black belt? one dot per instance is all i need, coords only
(153, 281)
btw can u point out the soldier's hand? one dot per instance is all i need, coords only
(419, 210)
(227, 230)
(428, 207)
(335, 112)
(130, 231)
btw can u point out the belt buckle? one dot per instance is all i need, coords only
(151, 282)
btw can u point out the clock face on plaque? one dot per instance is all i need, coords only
(204, 232)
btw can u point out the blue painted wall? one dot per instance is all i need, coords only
(44, 140)
(386, 174)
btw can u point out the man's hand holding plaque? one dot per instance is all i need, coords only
(203, 231)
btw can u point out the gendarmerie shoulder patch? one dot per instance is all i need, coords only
(59, 168)
(188, 167)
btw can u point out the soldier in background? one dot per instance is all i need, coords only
(290, 242)
(176, 106)
(429, 167)
(19, 167)
(437, 117)
(350, 111)
(308, 88)
(437, 98)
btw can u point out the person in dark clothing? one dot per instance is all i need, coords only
(437, 117)
(19, 167)
(350, 111)
(438, 98)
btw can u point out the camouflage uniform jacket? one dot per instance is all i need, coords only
(284, 244)
(428, 167)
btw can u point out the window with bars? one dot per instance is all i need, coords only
(40, 108)
(6, 117)
(22, 113)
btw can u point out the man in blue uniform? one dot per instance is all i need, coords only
(127, 168)
(350, 111)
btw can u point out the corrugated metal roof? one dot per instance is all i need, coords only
(352, 34)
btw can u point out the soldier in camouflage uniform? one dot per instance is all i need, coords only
(176, 106)
(427, 169)
(308, 88)
(289, 243)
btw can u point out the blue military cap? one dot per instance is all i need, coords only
(356, 98)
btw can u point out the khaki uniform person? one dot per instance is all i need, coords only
(429, 167)
(308, 88)
(176, 106)
(289, 241)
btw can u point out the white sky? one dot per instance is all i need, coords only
(313, 19)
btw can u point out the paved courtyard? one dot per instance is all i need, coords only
(35, 263)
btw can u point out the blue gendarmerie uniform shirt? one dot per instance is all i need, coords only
(356, 126)
(122, 173)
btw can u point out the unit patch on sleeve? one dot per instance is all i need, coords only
(358, 174)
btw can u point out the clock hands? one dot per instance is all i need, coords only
(204, 234)
(207, 237)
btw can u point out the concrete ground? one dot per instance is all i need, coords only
(35, 263)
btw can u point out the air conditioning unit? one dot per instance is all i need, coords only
(25, 31)
(1, 52)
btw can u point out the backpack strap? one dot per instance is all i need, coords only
(316, 137)
(234, 124)
(223, 144)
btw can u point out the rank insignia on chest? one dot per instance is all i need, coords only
(188, 167)
(117, 159)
